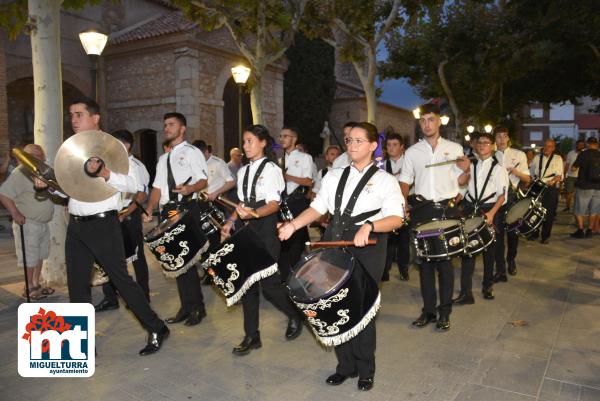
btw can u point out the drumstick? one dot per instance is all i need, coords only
(331, 244)
(448, 162)
(227, 202)
(139, 205)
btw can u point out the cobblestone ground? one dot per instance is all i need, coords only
(554, 356)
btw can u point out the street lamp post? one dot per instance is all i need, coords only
(240, 76)
(93, 43)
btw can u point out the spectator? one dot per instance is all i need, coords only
(571, 174)
(587, 194)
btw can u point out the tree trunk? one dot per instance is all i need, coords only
(450, 96)
(48, 102)
(370, 88)
(256, 99)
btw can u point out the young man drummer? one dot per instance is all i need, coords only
(377, 209)
(515, 163)
(485, 195)
(180, 174)
(435, 190)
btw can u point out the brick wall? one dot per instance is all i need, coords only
(4, 141)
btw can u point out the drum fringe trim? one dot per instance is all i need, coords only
(350, 334)
(264, 273)
(188, 265)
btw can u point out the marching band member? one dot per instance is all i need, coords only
(486, 193)
(436, 188)
(515, 163)
(372, 205)
(180, 174)
(344, 159)
(260, 184)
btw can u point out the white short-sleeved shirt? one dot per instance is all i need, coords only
(571, 157)
(555, 168)
(187, 161)
(142, 179)
(299, 165)
(218, 173)
(433, 183)
(342, 160)
(269, 185)
(496, 186)
(396, 166)
(511, 158)
(121, 182)
(319, 179)
(381, 192)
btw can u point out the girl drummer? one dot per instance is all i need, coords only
(259, 185)
(377, 209)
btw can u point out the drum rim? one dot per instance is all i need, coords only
(460, 223)
(149, 238)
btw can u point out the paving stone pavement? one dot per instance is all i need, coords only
(485, 356)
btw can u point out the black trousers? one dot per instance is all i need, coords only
(292, 248)
(101, 240)
(445, 273)
(512, 239)
(271, 286)
(132, 227)
(550, 202)
(468, 267)
(398, 250)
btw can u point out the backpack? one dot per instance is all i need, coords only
(593, 171)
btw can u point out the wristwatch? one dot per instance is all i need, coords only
(369, 222)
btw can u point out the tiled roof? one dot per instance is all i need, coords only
(165, 3)
(587, 121)
(162, 25)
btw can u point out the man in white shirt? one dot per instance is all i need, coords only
(94, 234)
(398, 247)
(236, 158)
(435, 190)
(344, 159)
(515, 163)
(571, 174)
(331, 154)
(220, 179)
(548, 167)
(298, 172)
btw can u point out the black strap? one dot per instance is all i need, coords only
(388, 166)
(324, 172)
(345, 219)
(478, 200)
(250, 201)
(547, 165)
(171, 180)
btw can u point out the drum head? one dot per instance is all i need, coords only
(518, 210)
(165, 225)
(436, 224)
(472, 223)
(319, 274)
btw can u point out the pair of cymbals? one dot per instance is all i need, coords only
(69, 165)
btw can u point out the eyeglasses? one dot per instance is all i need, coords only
(358, 141)
(486, 143)
(284, 136)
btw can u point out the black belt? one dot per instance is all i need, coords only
(95, 216)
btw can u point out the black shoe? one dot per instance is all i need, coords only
(403, 277)
(336, 379)
(366, 384)
(578, 234)
(512, 267)
(179, 317)
(588, 233)
(488, 293)
(207, 280)
(105, 305)
(443, 323)
(385, 277)
(195, 317)
(155, 341)
(247, 345)
(294, 329)
(464, 299)
(424, 319)
(500, 278)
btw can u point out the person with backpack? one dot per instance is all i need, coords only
(587, 195)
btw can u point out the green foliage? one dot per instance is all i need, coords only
(309, 88)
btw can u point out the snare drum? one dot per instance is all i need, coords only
(479, 235)
(337, 295)
(524, 217)
(211, 220)
(177, 243)
(536, 190)
(439, 239)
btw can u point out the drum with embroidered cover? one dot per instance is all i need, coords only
(525, 217)
(238, 263)
(439, 239)
(337, 295)
(177, 242)
(478, 234)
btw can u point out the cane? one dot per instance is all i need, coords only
(24, 262)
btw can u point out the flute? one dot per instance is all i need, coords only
(331, 244)
(448, 162)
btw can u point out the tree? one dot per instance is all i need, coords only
(309, 88)
(357, 28)
(262, 30)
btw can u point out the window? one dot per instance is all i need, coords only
(536, 112)
(536, 136)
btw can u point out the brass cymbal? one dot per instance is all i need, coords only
(37, 167)
(74, 153)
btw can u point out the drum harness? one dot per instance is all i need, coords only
(174, 203)
(543, 175)
(251, 201)
(479, 201)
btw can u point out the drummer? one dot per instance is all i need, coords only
(260, 184)
(435, 190)
(180, 174)
(485, 195)
(378, 209)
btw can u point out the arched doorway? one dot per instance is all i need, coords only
(145, 149)
(231, 128)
